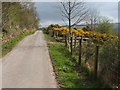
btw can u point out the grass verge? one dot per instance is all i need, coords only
(65, 69)
(68, 76)
(7, 47)
(49, 38)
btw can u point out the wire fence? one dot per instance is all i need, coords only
(108, 65)
(108, 61)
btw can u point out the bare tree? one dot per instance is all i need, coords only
(74, 12)
(93, 17)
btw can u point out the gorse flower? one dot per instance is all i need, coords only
(95, 36)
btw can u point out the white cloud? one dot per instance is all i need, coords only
(110, 10)
(49, 14)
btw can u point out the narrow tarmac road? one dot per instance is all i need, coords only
(28, 65)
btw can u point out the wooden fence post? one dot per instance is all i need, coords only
(80, 50)
(75, 42)
(71, 44)
(96, 62)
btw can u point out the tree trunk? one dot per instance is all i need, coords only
(70, 33)
(65, 40)
(71, 44)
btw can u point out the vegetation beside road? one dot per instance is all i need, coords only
(49, 38)
(68, 76)
(0, 44)
(7, 47)
(90, 51)
(19, 20)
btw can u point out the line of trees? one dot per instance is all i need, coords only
(18, 17)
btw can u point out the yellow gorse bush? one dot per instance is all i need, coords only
(62, 30)
(95, 36)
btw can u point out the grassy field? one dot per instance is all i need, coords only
(68, 76)
(7, 47)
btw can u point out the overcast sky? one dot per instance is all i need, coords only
(50, 14)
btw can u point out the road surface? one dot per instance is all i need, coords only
(28, 65)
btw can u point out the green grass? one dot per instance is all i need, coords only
(7, 47)
(66, 68)
(67, 75)
(49, 38)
